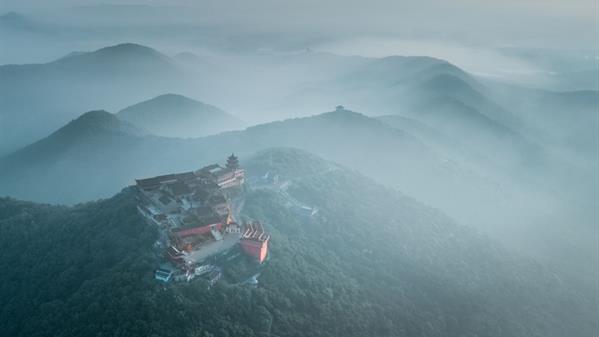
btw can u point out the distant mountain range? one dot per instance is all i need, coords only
(88, 154)
(88, 145)
(39, 98)
(430, 90)
(83, 161)
(441, 95)
(564, 121)
(512, 120)
(514, 147)
(173, 115)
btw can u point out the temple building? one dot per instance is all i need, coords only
(232, 162)
(254, 241)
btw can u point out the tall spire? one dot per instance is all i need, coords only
(232, 162)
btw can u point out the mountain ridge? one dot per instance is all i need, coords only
(89, 81)
(89, 126)
(173, 115)
(322, 128)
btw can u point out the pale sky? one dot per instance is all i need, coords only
(536, 23)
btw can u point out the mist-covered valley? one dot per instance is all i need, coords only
(470, 166)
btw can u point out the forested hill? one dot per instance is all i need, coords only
(371, 262)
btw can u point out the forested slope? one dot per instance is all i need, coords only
(371, 262)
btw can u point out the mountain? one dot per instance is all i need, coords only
(80, 161)
(443, 96)
(39, 98)
(101, 165)
(375, 84)
(566, 121)
(487, 136)
(343, 135)
(460, 146)
(499, 203)
(371, 260)
(15, 22)
(507, 121)
(464, 89)
(503, 204)
(514, 121)
(93, 128)
(433, 92)
(352, 139)
(173, 115)
(402, 70)
(460, 150)
(511, 126)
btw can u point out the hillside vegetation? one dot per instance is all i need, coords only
(372, 262)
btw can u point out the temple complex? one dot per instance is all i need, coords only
(194, 212)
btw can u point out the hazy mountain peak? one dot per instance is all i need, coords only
(125, 52)
(98, 121)
(12, 16)
(164, 101)
(348, 117)
(343, 113)
(15, 20)
(128, 48)
(173, 98)
(94, 131)
(405, 70)
(176, 115)
(95, 118)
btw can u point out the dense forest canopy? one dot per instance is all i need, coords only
(371, 262)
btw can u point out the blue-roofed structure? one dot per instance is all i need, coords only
(163, 275)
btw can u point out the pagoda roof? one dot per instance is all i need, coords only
(154, 182)
(150, 183)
